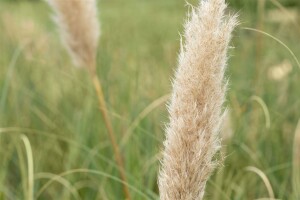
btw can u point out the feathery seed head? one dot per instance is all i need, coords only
(195, 108)
(79, 28)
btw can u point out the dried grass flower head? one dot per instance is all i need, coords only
(79, 28)
(195, 108)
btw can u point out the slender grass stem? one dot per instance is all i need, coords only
(30, 167)
(108, 124)
(265, 179)
(277, 40)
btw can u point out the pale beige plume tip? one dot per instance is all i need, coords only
(79, 28)
(195, 108)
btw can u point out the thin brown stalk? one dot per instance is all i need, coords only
(108, 124)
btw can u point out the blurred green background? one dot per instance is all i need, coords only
(52, 104)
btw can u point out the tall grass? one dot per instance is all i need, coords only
(54, 104)
(79, 30)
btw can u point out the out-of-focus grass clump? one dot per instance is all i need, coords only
(249, 4)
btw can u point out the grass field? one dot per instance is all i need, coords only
(48, 108)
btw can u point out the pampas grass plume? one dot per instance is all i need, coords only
(195, 108)
(79, 28)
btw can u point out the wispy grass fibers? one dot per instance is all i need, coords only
(195, 109)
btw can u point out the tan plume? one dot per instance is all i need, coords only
(195, 109)
(79, 28)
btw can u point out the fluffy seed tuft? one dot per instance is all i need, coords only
(79, 28)
(195, 108)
